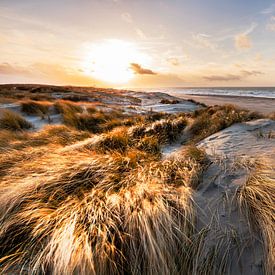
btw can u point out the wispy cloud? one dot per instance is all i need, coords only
(271, 24)
(250, 29)
(204, 41)
(8, 69)
(242, 41)
(173, 61)
(233, 77)
(127, 17)
(140, 33)
(269, 10)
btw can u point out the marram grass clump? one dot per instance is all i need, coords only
(12, 121)
(97, 215)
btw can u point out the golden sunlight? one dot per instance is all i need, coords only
(110, 61)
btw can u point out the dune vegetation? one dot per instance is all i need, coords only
(96, 196)
(213, 119)
(13, 121)
(31, 107)
(256, 198)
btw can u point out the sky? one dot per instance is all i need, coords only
(138, 43)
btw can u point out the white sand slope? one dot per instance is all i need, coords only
(152, 102)
(37, 121)
(228, 241)
(254, 138)
(217, 208)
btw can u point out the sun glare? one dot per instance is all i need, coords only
(110, 61)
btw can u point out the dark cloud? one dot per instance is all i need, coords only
(232, 77)
(139, 70)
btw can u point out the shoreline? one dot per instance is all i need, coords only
(258, 104)
(233, 96)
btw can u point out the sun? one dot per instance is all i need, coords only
(110, 61)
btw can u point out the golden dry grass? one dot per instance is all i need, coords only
(12, 121)
(96, 215)
(114, 206)
(31, 107)
(257, 200)
(213, 119)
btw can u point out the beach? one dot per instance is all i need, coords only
(258, 104)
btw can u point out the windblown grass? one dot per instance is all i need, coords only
(272, 116)
(257, 200)
(213, 119)
(147, 137)
(12, 121)
(32, 107)
(52, 134)
(67, 107)
(91, 120)
(114, 206)
(97, 215)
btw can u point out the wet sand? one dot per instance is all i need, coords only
(262, 105)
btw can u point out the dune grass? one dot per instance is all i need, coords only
(95, 215)
(272, 116)
(64, 106)
(257, 201)
(91, 120)
(31, 107)
(49, 135)
(213, 119)
(12, 121)
(113, 210)
(114, 206)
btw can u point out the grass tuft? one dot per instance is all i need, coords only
(257, 200)
(213, 119)
(31, 107)
(12, 121)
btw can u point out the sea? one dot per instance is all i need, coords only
(245, 92)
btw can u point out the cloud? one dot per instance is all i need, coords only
(251, 73)
(269, 10)
(271, 25)
(45, 73)
(140, 33)
(55, 73)
(204, 41)
(159, 80)
(251, 28)
(8, 69)
(139, 70)
(228, 77)
(173, 61)
(242, 41)
(233, 77)
(127, 17)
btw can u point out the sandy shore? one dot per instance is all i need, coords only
(263, 105)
